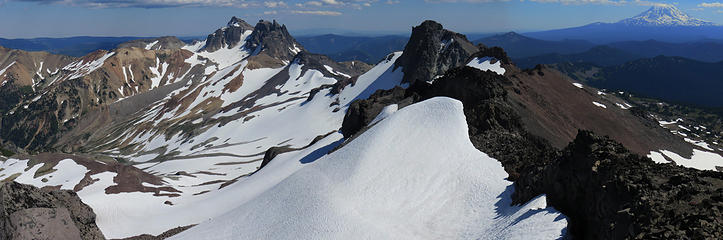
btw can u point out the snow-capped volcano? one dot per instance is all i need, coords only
(664, 15)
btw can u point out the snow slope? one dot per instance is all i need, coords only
(392, 182)
(485, 64)
(216, 154)
(701, 160)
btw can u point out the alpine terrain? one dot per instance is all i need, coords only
(248, 135)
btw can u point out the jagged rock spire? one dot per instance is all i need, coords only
(432, 50)
(228, 36)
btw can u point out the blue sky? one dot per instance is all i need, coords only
(62, 18)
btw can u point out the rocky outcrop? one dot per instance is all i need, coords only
(272, 152)
(228, 36)
(329, 67)
(27, 212)
(431, 51)
(362, 112)
(273, 40)
(609, 193)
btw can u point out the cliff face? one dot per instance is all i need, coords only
(28, 212)
(228, 36)
(431, 51)
(609, 193)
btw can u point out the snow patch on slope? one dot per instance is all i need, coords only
(700, 160)
(65, 174)
(386, 112)
(82, 68)
(393, 182)
(485, 64)
(150, 45)
(599, 104)
(225, 57)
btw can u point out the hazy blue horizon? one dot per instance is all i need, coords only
(184, 18)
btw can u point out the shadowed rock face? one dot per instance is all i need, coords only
(28, 212)
(362, 112)
(609, 193)
(228, 36)
(274, 40)
(431, 51)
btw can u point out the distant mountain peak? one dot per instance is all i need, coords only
(664, 15)
(509, 36)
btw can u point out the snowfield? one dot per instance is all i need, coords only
(701, 160)
(232, 150)
(394, 181)
(485, 64)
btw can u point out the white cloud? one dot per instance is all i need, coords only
(270, 13)
(273, 4)
(332, 2)
(310, 3)
(321, 13)
(711, 5)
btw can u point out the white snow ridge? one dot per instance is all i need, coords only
(392, 182)
(485, 64)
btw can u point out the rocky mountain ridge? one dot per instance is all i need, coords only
(505, 122)
(165, 144)
(219, 128)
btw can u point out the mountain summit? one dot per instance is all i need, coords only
(664, 16)
(661, 22)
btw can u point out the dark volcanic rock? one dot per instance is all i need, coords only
(274, 40)
(431, 51)
(228, 36)
(52, 214)
(272, 152)
(495, 52)
(362, 112)
(494, 126)
(609, 193)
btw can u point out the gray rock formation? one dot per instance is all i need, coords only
(273, 40)
(27, 212)
(432, 50)
(227, 37)
(609, 193)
